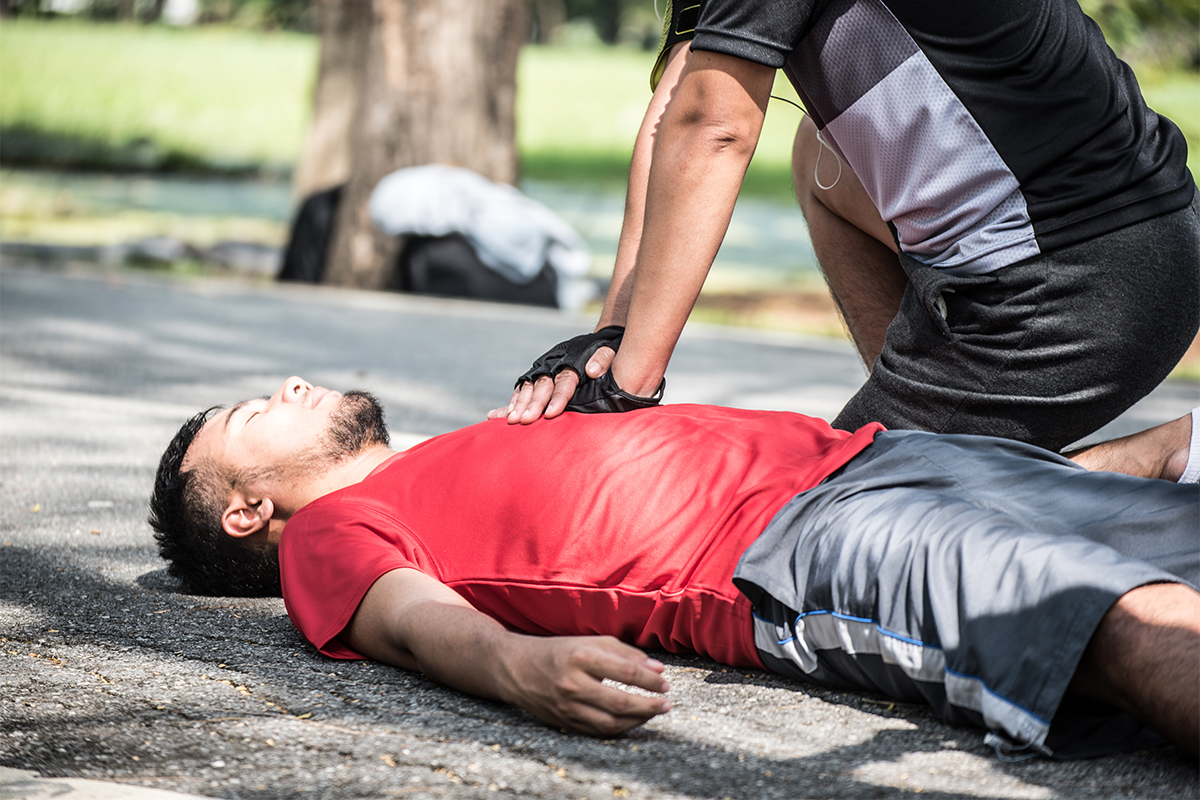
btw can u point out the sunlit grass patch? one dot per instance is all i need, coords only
(1177, 95)
(579, 109)
(155, 96)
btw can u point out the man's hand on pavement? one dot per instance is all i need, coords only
(560, 680)
(548, 396)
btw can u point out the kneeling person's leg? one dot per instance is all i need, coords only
(854, 246)
(1045, 351)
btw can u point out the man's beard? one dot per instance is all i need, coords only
(356, 425)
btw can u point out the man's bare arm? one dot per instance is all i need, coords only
(702, 128)
(413, 621)
(703, 146)
(531, 401)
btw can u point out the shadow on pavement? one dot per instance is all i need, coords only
(135, 682)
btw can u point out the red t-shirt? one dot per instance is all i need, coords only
(621, 524)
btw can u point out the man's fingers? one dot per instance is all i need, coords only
(594, 721)
(641, 675)
(504, 411)
(609, 711)
(543, 397)
(602, 710)
(562, 681)
(565, 383)
(542, 389)
(549, 397)
(523, 394)
(600, 361)
(628, 665)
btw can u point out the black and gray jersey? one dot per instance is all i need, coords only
(985, 132)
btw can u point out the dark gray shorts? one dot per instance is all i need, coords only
(1044, 351)
(968, 573)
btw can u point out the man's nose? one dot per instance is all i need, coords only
(294, 389)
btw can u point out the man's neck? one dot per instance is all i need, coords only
(346, 472)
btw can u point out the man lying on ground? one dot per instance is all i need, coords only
(995, 581)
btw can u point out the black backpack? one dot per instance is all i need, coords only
(444, 266)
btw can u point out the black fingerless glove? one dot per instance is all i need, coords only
(573, 354)
(592, 396)
(603, 396)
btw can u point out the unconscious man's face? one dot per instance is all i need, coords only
(252, 456)
(299, 430)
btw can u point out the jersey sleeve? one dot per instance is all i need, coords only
(329, 557)
(763, 32)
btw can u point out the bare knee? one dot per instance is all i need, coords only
(817, 172)
(823, 180)
(1145, 659)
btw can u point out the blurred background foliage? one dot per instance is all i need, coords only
(225, 85)
(122, 119)
(1156, 30)
(1161, 34)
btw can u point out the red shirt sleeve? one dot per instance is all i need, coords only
(329, 557)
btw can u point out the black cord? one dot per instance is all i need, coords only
(803, 110)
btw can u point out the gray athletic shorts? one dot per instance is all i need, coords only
(968, 573)
(1044, 351)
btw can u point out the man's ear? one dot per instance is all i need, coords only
(246, 515)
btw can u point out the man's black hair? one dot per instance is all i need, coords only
(185, 512)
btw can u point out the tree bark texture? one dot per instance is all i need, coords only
(548, 17)
(438, 85)
(344, 28)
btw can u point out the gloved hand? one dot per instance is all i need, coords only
(592, 395)
(603, 396)
(573, 354)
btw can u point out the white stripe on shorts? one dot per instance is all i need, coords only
(799, 641)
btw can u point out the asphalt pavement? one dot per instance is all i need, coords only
(113, 679)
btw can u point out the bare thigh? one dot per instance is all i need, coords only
(845, 197)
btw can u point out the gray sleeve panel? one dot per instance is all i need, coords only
(1059, 114)
(978, 564)
(920, 154)
(1063, 111)
(851, 47)
(933, 173)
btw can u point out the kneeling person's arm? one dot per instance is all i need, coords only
(411, 620)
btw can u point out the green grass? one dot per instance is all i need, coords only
(120, 96)
(153, 96)
(78, 94)
(578, 111)
(1177, 95)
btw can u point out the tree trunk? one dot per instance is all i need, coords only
(548, 17)
(438, 86)
(154, 14)
(608, 20)
(344, 28)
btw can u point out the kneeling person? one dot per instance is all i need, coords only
(995, 581)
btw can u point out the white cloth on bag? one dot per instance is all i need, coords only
(511, 233)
